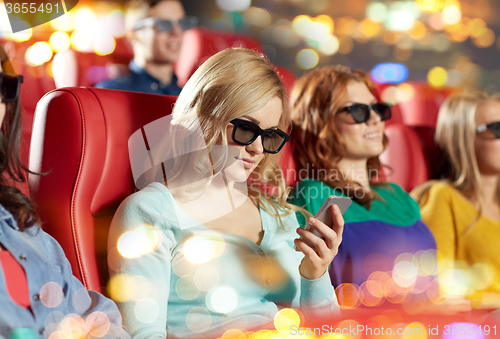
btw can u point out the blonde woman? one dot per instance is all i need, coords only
(463, 210)
(225, 258)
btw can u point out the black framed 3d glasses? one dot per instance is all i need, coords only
(493, 127)
(163, 25)
(9, 87)
(361, 112)
(245, 132)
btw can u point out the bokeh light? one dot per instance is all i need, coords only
(81, 40)
(198, 250)
(84, 18)
(330, 46)
(257, 16)
(121, 287)
(437, 77)
(307, 58)
(233, 5)
(486, 39)
(415, 330)
(64, 22)
(146, 310)
(377, 11)
(198, 319)
(222, 299)
(133, 244)
(59, 41)
(389, 73)
(104, 44)
(451, 15)
(98, 324)
(430, 5)
(51, 295)
(38, 54)
(285, 319)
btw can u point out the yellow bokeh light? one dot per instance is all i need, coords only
(121, 287)
(84, 18)
(346, 26)
(369, 27)
(345, 45)
(73, 326)
(64, 22)
(198, 250)
(307, 58)
(81, 40)
(418, 30)
(38, 54)
(451, 15)
(406, 92)
(428, 263)
(414, 330)
(59, 41)
(437, 77)
(104, 44)
(330, 46)
(430, 5)
(233, 334)
(299, 24)
(348, 295)
(21, 36)
(487, 39)
(133, 244)
(477, 27)
(316, 31)
(285, 319)
(326, 21)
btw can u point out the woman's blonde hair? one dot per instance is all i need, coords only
(455, 135)
(233, 83)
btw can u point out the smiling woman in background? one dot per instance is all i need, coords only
(38, 292)
(337, 137)
(463, 210)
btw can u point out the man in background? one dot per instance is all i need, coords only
(156, 41)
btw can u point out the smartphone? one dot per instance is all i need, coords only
(325, 216)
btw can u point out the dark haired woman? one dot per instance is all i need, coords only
(38, 293)
(338, 135)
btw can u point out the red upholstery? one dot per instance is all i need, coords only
(200, 43)
(405, 157)
(80, 137)
(423, 108)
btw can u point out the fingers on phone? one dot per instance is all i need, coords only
(338, 220)
(326, 232)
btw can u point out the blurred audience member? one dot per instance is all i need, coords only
(337, 137)
(463, 210)
(38, 293)
(156, 40)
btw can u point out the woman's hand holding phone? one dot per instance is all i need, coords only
(319, 252)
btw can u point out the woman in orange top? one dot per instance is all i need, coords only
(463, 210)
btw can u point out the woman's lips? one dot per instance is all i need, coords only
(247, 163)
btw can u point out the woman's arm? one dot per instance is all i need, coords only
(141, 285)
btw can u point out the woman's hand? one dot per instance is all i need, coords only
(319, 253)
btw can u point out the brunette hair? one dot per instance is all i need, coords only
(11, 168)
(316, 143)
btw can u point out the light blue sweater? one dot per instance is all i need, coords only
(242, 286)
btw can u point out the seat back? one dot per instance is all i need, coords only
(405, 157)
(80, 139)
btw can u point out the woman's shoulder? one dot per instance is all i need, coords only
(150, 197)
(439, 190)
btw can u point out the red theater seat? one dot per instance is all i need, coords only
(405, 157)
(80, 138)
(201, 43)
